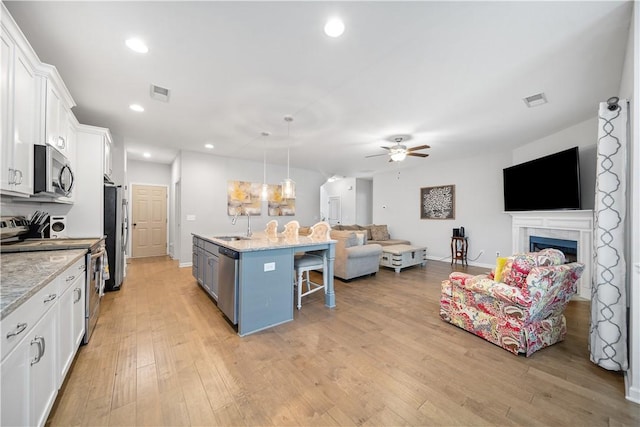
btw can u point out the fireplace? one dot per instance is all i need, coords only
(570, 229)
(568, 247)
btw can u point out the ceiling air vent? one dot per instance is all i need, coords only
(159, 93)
(535, 100)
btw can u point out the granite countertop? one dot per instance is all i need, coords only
(261, 242)
(30, 245)
(23, 274)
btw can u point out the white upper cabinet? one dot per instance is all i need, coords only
(57, 118)
(20, 116)
(35, 108)
(108, 162)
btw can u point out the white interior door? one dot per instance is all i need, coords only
(149, 220)
(334, 210)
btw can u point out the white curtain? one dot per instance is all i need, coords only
(608, 331)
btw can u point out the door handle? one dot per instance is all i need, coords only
(39, 341)
(20, 327)
(135, 223)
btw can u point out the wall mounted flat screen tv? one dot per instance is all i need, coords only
(548, 183)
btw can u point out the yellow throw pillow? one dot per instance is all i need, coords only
(500, 263)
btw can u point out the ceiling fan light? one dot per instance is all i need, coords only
(398, 156)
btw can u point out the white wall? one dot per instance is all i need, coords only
(478, 206)
(355, 199)
(364, 201)
(203, 181)
(118, 161)
(630, 89)
(149, 173)
(175, 208)
(340, 188)
(584, 135)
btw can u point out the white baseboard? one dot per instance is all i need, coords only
(185, 264)
(448, 259)
(633, 393)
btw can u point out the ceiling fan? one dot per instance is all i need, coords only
(399, 152)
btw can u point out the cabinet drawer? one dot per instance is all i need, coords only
(71, 275)
(20, 322)
(211, 248)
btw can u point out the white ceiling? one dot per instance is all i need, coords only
(451, 74)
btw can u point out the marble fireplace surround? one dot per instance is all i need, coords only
(570, 225)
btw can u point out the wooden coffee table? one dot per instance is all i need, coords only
(402, 256)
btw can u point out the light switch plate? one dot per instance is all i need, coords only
(191, 217)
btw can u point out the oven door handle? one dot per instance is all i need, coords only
(97, 254)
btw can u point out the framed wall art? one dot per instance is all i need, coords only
(244, 198)
(438, 202)
(279, 206)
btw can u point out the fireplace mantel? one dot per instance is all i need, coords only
(570, 224)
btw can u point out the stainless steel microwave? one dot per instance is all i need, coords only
(52, 172)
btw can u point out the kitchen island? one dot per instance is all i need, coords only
(263, 291)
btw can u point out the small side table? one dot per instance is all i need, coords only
(459, 246)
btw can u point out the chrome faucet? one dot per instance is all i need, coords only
(235, 219)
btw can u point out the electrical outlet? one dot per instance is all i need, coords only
(497, 253)
(269, 266)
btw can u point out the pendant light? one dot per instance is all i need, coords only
(288, 186)
(264, 195)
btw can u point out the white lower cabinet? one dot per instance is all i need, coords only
(39, 342)
(43, 378)
(71, 311)
(15, 371)
(29, 374)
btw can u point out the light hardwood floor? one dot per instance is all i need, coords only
(162, 354)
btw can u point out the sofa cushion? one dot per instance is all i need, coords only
(304, 231)
(362, 238)
(500, 264)
(367, 228)
(344, 237)
(379, 232)
(549, 256)
(352, 227)
(517, 269)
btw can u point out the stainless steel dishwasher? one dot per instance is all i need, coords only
(228, 283)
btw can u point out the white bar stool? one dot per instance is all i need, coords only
(311, 261)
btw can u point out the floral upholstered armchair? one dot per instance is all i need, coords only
(520, 306)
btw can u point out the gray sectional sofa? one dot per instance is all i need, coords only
(375, 234)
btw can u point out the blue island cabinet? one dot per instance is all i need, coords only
(265, 289)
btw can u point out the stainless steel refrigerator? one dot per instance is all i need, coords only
(116, 229)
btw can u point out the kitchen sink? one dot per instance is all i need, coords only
(231, 238)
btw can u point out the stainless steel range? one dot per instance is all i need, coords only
(12, 232)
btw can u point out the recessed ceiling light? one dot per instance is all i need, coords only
(137, 45)
(146, 155)
(137, 108)
(209, 146)
(334, 27)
